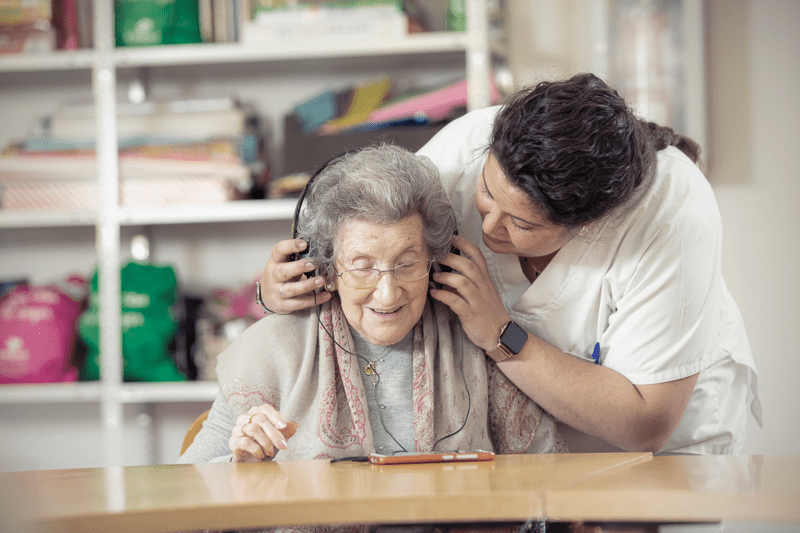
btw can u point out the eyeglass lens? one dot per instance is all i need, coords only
(362, 278)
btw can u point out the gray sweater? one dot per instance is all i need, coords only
(389, 404)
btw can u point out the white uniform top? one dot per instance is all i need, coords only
(648, 288)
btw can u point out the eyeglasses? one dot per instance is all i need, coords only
(367, 278)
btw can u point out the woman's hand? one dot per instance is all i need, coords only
(284, 289)
(471, 295)
(259, 434)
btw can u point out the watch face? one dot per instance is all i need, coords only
(514, 337)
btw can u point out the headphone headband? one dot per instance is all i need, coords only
(306, 187)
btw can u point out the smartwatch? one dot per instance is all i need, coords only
(512, 339)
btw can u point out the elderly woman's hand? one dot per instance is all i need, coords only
(259, 434)
(470, 293)
(284, 289)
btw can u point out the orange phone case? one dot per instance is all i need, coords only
(431, 457)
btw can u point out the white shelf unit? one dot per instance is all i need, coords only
(111, 392)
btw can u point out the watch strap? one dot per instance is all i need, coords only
(499, 354)
(260, 300)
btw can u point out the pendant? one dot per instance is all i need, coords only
(370, 370)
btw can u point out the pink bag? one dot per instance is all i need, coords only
(38, 331)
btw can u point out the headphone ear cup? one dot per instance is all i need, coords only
(438, 267)
(454, 251)
(302, 255)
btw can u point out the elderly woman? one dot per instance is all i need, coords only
(381, 367)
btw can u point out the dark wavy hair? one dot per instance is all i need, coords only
(577, 149)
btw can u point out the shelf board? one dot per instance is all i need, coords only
(44, 393)
(419, 43)
(57, 60)
(44, 219)
(210, 53)
(237, 211)
(91, 391)
(180, 391)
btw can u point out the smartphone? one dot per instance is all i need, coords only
(453, 456)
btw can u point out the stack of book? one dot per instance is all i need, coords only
(172, 153)
(302, 24)
(335, 121)
(220, 20)
(35, 26)
(378, 105)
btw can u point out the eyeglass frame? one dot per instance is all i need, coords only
(381, 272)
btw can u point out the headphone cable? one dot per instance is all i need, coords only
(378, 379)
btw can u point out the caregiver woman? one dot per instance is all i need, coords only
(593, 241)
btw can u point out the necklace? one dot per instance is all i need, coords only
(372, 370)
(526, 262)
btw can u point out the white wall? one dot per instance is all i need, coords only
(761, 219)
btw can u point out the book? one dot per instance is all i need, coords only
(149, 176)
(366, 99)
(83, 195)
(433, 106)
(36, 13)
(65, 20)
(307, 24)
(178, 121)
(197, 125)
(215, 158)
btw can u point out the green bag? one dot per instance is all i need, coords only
(148, 324)
(155, 22)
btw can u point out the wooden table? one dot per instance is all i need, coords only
(605, 487)
(686, 489)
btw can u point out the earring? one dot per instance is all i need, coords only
(584, 231)
(329, 286)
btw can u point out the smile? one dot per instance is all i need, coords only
(493, 240)
(378, 311)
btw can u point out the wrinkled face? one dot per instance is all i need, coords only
(385, 313)
(511, 224)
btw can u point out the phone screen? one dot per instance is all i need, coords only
(453, 456)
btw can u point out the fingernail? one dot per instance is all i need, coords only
(281, 424)
(283, 445)
(319, 282)
(310, 265)
(301, 244)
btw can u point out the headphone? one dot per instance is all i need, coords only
(296, 219)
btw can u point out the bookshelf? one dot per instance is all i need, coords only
(105, 63)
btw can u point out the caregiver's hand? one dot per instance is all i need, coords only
(259, 434)
(284, 289)
(471, 294)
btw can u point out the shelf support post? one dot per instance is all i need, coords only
(108, 232)
(479, 60)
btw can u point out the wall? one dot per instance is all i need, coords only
(761, 218)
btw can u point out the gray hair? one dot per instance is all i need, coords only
(380, 184)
